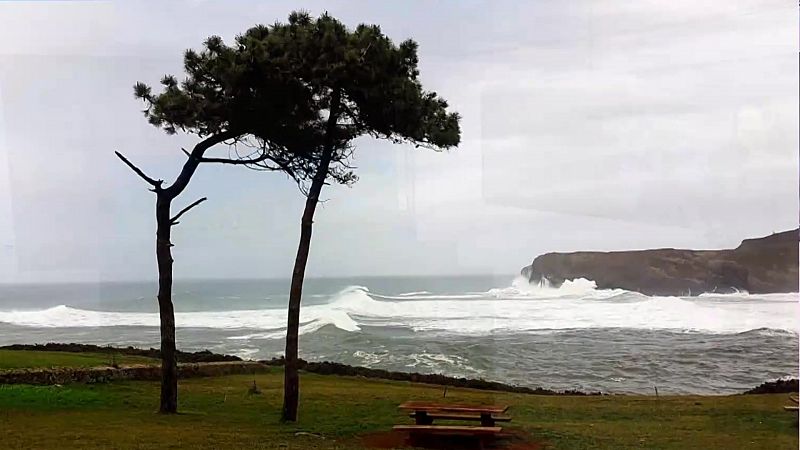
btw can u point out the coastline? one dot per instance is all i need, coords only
(204, 357)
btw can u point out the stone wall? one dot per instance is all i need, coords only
(131, 372)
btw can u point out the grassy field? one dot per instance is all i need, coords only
(219, 413)
(15, 359)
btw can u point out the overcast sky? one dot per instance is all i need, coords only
(586, 126)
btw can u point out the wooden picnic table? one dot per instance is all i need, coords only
(795, 407)
(425, 412)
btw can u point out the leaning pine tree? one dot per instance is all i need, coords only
(227, 97)
(362, 84)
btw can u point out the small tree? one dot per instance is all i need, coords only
(360, 83)
(226, 98)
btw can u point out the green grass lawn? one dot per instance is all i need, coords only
(23, 359)
(219, 413)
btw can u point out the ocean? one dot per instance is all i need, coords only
(491, 327)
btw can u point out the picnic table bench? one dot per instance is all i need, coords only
(425, 413)
(793, 408)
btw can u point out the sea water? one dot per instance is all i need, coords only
(492, 327)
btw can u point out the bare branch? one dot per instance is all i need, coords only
(155, 183)
(242, 161)
(191, 163)
(174, 220)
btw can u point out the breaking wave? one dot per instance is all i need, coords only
(521, 307)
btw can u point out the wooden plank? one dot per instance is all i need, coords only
(447, 429)
(460, 416)
(426, 406)
(792, 408)
(443, 406)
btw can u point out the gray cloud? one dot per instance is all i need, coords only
(587, 125)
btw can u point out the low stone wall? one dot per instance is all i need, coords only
(131, 372)
(790, 386)
(333, 368)
(183, 357)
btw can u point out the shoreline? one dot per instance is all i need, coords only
(334, 368)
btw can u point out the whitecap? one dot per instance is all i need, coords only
(519, 308)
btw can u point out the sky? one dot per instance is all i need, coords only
(587, 125)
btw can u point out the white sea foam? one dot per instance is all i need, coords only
(520, 307)
(312, 318)
(246, 353)
(435, 362)
(412, 294)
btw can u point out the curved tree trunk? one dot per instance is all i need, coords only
(169, 362)
(291, 379)
(164, 223)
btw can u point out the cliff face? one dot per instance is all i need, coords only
(759, 266)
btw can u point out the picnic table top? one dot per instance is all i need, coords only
(430, 406)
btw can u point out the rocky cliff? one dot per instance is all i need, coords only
(763, 265)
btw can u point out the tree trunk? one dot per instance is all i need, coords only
(169, 362)
(291, 379)
(164, 223)
(291, 382)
